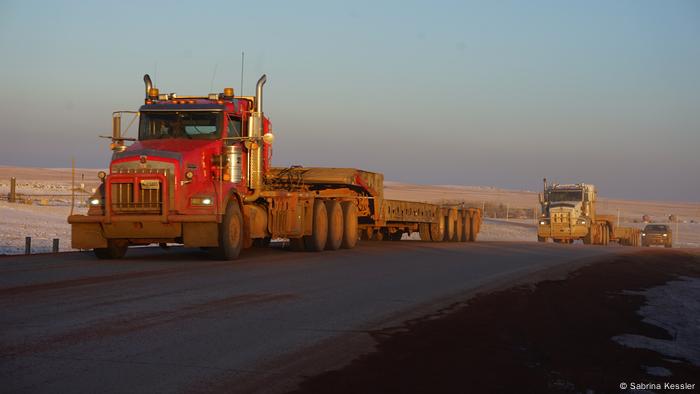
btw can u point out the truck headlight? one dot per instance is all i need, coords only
(542, 222)
(201, 201)
(582, 222)
(644, 234)
(665, 235)
(95, 202)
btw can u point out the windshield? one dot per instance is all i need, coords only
(569, 195)
(655, 227)
(184, 124)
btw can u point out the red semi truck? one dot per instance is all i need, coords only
(200, 174)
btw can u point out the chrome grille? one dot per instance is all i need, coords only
(563, 218)
(124, 200)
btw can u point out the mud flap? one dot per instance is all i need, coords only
(87, 236)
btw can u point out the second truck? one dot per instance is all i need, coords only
(200, 174)
(569, 213)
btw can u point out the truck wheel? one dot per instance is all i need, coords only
(541, 239)
(424, 231)
(116, 249)
(230, 233)
(349, 225)
(588, 239)
(319, 229)
(437, 230)
(335, 225)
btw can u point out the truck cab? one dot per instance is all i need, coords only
(192, 155)
(567, 212)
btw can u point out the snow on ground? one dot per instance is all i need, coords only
(675, 307)
(511, 230)
(42, 223)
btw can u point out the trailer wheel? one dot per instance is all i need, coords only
(606, 234)
(459, 228)
(424, 231)
(437, 230)
(230, 233)
(349, 225)
(474, 224)
(466, 227)
(395, 236)
(450, 221)
(319, 229)
(116, 249)
(335, 225)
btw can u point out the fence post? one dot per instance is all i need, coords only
(13, 190)
(28, 245)
(55, 245)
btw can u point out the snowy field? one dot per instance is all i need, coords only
(42, 223)
(45, 218)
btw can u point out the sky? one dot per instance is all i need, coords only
(491, 93)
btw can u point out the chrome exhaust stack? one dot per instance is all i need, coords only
(149, 84)
(255, 152)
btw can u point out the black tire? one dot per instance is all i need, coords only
(230, 233)
(395, 236)
(335, 225)
(316, 242)
(424, 231)
(606, 235)
(466, 227)
(437, 230)
(116, 249)
(349, 225)
(459, 228)
(450, 225)
(588, 239)
(474, 227)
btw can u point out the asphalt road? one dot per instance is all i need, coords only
(175, 321)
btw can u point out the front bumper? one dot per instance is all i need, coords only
(558, 231)
(89, 232)
(655, 239)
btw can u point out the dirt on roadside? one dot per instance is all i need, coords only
(554, 336)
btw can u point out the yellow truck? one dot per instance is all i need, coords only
(569, 213)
